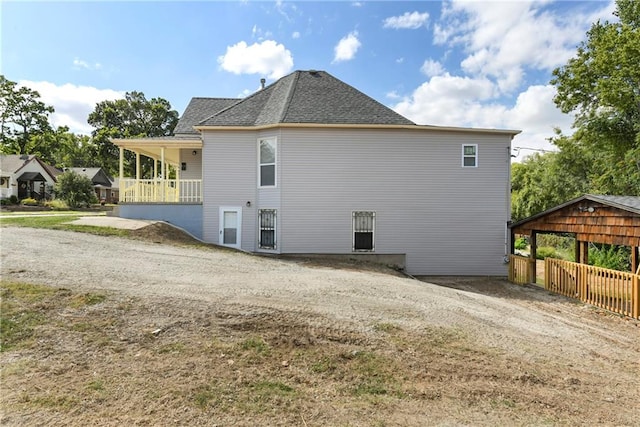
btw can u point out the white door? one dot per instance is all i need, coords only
(230, 226)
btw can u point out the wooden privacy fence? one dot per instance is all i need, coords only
(613, 290)
(519, 269)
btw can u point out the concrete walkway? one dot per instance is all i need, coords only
(113, 222)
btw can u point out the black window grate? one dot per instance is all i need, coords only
(363, 231)
(267, 235)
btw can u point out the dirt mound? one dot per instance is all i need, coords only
(161, 232)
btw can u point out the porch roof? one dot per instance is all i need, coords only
(31, 176)
(152, 147)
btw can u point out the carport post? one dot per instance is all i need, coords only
(532, 255)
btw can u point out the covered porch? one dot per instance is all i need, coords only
(176, 175)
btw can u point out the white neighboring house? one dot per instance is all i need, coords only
(309, 165)
(105, 186)
(25, 176)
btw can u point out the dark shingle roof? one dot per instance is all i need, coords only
(198, 110)
(314, 97)
(630, 203)
(627, 203)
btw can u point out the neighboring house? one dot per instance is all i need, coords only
(26, 176)
(310, 165)
(103, 184)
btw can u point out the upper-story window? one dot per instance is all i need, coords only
(267, 162)
(470, 156)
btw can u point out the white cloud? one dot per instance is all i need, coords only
(347, 47)
(72, 103)
(268, 58)
(502, 39)
(295, 35)
(463, 101)
(80, 63)
(409, 21)
(431, 68)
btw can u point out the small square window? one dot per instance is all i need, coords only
(470, 156)
(363, 231)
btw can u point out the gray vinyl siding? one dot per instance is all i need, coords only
(194, 163)
(446, 219)
(229, 179)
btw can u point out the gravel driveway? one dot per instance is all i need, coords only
(508, 317)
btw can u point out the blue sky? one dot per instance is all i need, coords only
(452, 63)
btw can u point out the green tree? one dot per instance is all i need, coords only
(601, 86)
(131, 117)
(543, 181)
(76, 190)
(22, 117)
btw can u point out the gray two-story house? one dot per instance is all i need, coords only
(310, 165)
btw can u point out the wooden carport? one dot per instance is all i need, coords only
(613, 220)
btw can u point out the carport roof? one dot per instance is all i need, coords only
(592, 218)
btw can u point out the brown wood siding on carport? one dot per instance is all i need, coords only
(606, 224)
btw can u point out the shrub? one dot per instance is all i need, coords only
(13, 199)
(29, 202)
(4, 202)
(57, 205)
(76, 190)
(546, 252)
(520, 243)
(610, 256)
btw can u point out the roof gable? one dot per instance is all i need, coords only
(313, 97)
(13, 163)
(96, 175)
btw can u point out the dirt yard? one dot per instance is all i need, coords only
(134, 332)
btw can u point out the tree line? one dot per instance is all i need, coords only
(601, 86)
(25, 128)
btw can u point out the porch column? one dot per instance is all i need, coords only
(121, 163)
(164, 175)
(532, 255)
(177, 199)
(635, 260)
(137, 166)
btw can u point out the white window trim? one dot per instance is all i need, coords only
(465, 156)
(275, 230)
(353, 233)
(275, 164)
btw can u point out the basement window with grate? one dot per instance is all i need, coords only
(267, 221)
(364, 224)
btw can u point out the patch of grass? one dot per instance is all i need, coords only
(386, 327)
(96, 385)
(267, 389)
(325, 365)
(61, 223)
(86, 299)
(20, 313)
(256, 345)
(175, 347)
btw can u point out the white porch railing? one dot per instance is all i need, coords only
(160, 190)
